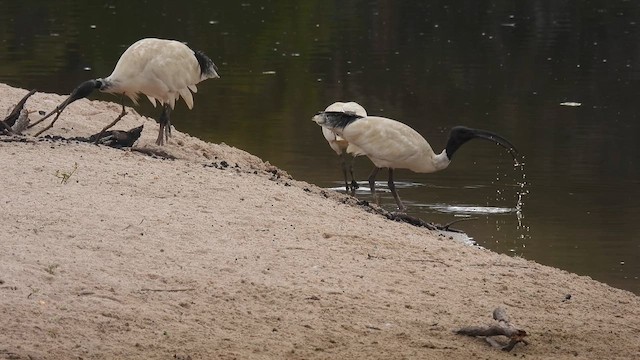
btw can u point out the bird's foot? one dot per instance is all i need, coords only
(354, 185)
(162, 135)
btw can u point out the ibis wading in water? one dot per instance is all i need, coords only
(162, 70)
(394, 145)
(340, 145)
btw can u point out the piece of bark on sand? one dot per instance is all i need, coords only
(117, 138)
(7, 123)
(502, 328)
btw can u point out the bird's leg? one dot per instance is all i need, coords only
(343, 164)
(354, 183)
(372, 183)
(122, 114)
(167, 128)
(392, 187)
(165, 125)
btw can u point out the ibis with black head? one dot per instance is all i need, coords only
(341, 146)
(394, 145)
(162, 70)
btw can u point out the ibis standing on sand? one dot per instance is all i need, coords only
(163, 70)
(340, 145)
(394, 145)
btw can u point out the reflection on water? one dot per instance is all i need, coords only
(518, 68)
(468, 209)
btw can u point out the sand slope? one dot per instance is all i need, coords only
(141, 257)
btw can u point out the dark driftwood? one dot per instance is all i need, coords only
(403, 217)
(4, 128)
(117, 138)
(8, 122)
(113, 138)
(502, 328)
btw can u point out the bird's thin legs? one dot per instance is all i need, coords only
(372, 183)
(392, 187)
(165, 125)
(354, 183)
(343, 165)
(346, 163)
(122, 114)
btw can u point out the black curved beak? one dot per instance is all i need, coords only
(459, 135)
(81, 91)
(488, 135)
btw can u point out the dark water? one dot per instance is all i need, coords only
(505, 66)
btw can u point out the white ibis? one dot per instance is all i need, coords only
(394, 145)
(163, 70)
(340, 145)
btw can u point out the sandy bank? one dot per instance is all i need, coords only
(137, 256)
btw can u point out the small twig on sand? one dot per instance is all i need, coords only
(122, 114)
(446, 226)
(48, 126)
(169, 290)
(429, 260)
(503, 328)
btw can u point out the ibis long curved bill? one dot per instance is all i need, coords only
(391, 144)
(461, 134)
(80, 92)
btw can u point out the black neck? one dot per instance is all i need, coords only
(454, 143)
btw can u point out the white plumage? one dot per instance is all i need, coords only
(340, 145)
(337, 143)
(394, 145)
(162, 70)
